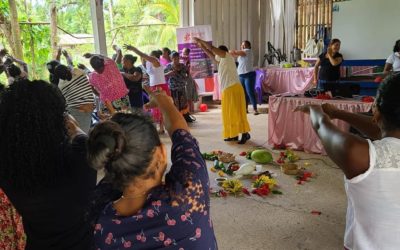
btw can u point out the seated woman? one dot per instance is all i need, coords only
(371, 168)
(43, 167)
(393, 61)
(142, 212)
(327, 67)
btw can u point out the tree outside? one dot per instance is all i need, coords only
(147, 24)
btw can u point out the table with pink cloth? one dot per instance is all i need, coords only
(287, 80)
(294, 129)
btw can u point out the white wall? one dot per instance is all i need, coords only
(368, 29)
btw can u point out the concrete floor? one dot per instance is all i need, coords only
(277, 221)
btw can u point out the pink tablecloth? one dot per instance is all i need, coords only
(291, 80)
(294, 129)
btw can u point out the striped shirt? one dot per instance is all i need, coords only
(77, 91)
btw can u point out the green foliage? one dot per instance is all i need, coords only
(160, 17)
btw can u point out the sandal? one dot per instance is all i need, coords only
(236, 138)
(245, 138)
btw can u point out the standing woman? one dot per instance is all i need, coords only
(177, 76)
(327, 68)
(165, 58)
(371, 168)
(191, 86)
(393, 61)
(108, 83)
(246, 72)
(134, 208)
(156, 79)
(43, 167)
(234, 117)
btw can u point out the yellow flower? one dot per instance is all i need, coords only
(213, 169)
(263, 179)
(232, 186)
(221, 173)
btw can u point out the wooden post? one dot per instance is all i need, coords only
(53, 28)
(15, 30)
(96, 9)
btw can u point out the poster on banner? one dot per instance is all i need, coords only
(200, 63)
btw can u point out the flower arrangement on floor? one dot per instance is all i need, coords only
(262, 185)
(287, 156)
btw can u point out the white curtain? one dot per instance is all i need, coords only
(282, 25)
(277, 21)
(290, 26)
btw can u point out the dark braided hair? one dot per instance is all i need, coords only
(32, 132)
(388, 101)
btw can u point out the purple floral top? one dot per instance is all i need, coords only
(176, 215)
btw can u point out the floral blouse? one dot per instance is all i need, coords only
(176, 214)
(179, 79)
(12, 235)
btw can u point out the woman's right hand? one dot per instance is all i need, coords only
(330, 110)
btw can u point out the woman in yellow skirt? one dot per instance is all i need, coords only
(234, 116)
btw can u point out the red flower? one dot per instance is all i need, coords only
(282, 154)
(246, 191)
(171, 222)
(139, 237)
(167, 242)
(243, 154)
(262, 190)
(222, 193)
(127, 244)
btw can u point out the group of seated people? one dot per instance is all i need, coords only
(48, 165)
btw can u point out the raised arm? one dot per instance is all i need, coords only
(173, 120)
(362, 123)
(58, 55)
(237, 53)
(349, 152)
(68, 58)
(151, 59)
(21, 63)
(117, 50)
(203, 44)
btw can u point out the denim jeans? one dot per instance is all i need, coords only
(248, 82)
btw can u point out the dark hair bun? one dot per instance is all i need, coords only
(106, 142)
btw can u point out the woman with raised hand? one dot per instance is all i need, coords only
(134, 208)
(247, 74)
(327, 67)
(156, 79)
(234, 117)
(43, 167)
(371, 168)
